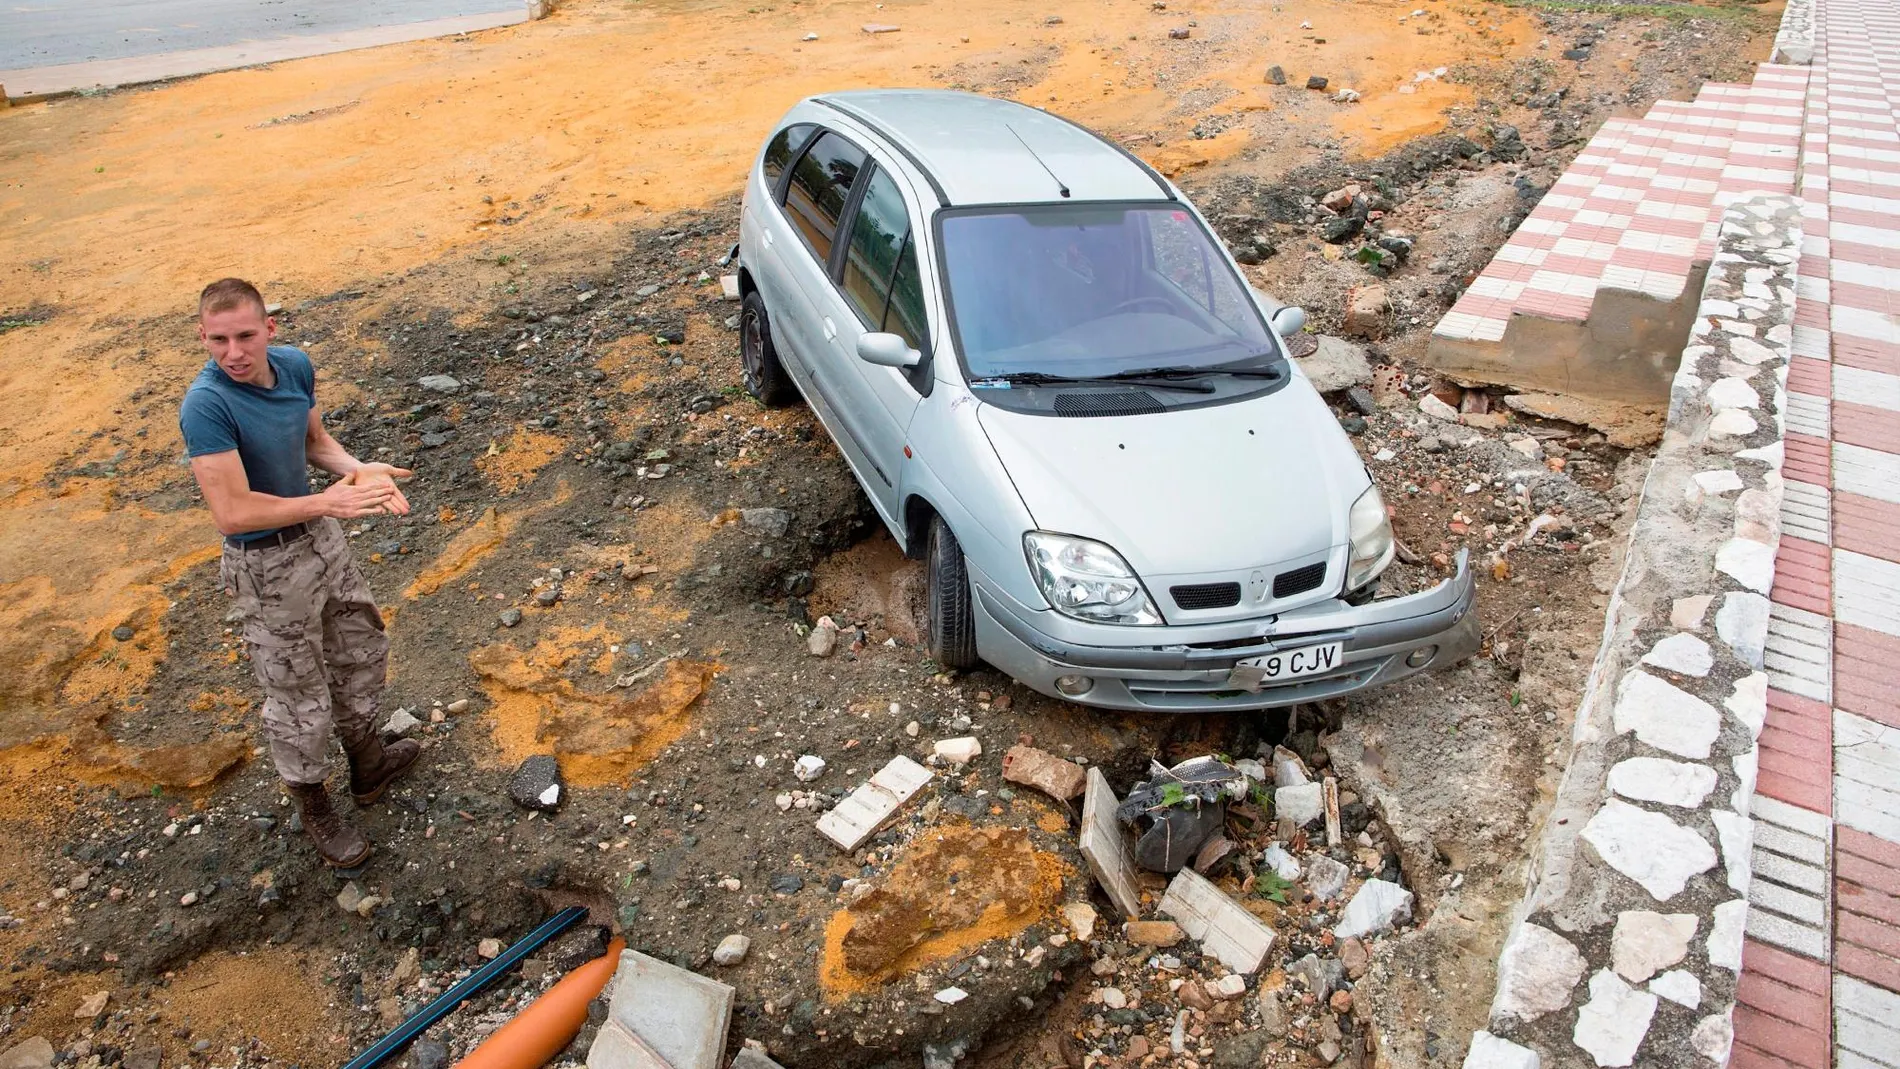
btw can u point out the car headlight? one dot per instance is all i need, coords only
(1087, 580)
(1372, 543)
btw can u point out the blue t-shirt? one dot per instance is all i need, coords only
(266, 427)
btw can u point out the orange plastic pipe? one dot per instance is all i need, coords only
(550, 1023)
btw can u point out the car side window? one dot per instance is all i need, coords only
(778, 153)
(877, 236)
(821, 183)
(904, 316)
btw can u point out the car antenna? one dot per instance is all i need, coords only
(1062, 188)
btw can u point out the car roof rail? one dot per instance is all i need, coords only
(943, 199)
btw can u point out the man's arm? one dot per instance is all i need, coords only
(237, 509)
(324, 451)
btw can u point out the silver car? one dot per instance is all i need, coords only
(1056, 387)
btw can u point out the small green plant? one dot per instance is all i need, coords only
(1517, 699)
(1270, 886)
(504, 260)
(1175, 795)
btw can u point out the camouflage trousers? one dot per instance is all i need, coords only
(316, 643)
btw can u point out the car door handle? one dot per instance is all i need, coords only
(831, 330)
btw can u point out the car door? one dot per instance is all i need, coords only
(878, 290)
(777, 239)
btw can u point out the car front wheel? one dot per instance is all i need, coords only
(952, 620)
(765, 377)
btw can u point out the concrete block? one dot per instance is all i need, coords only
(864, 810)
(1102, 845)
(1226, 930)
(753, 1058)
(662, 1017)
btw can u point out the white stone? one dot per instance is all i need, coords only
(1718, 482)
(1433, 407)
(1378, 905)
(1746, 765)
(1283, 864)
(1611, 1026)
(1651, 849)
(1081, 918)
(1229, 987)
(1742, 622)
(960, 751)
(1325, 877)
(1288, 769)
(1748, 562)
(1678, 986)
(551, 796)
(950, 996)
(1732, 393)
(1494, 1052)
(1749, 702)
(1737, 835)
(1732, 423)
(808, 768)
(1713, 1036)
(1302, 804)
(1646, 942)
(401, 722)
(1112, 997)
(1336, 364)
(1685, 614)
(1657, 779)
(1682, 654)
(731, 950)
(1725, 934)
(1537, 972)
(1665, 717)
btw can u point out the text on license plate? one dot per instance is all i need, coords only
(1291, 664)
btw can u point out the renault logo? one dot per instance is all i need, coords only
(1257, 587)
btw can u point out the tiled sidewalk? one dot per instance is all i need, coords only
(1821, 979)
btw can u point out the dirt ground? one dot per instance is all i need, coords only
(496, 208)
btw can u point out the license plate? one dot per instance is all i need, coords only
(1254, 672)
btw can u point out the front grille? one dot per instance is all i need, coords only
(1299, 580)
(1108, 403)
(1206, 595)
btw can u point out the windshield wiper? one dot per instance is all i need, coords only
(1040, 378)
(1271, 371)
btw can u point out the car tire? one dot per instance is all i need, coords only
(952, 618)
(765, 377)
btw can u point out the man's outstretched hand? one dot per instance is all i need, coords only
(381, 475)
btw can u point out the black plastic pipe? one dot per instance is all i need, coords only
(445, 1003)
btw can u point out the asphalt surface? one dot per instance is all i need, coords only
(41, 33)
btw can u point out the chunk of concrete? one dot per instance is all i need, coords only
(1302, 804)
(1052, 775)
(1288, 769)
(959, 751)
(1336, 364)
(1495, 1052)
(34, 1052)
(662, 1016)
(1235, 937)
(864, 810)
(1101, 843)
(1378, 905)
(1537, 973)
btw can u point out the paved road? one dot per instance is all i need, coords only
(42, 33)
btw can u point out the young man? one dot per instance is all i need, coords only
(251, 428)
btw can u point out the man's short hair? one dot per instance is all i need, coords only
(228, 293)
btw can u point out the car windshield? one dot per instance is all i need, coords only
(1088, 290)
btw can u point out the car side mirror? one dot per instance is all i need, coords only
(887, 350)
(1285, 318)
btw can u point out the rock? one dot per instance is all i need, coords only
(510, 617)
(1537, 972)
(1685, 614)
(808, 768)
(1153, 933)
(489, 949)
(786, 883)
(1665, 717)
(731, 950)
(547, 596)
(1341, 229)
(1179, 34)
(1276, 76)
(1229, 987)
(1492, 1052)
(1645, 942)
(1713, 1037)
(1283, 864)
(822, 641)
(1112, 997)
(1354, 957)
(1325, 877)
(1336, 365)
(1437, 409)
(1194, 996)
(439, 383)
(123, 633)
(773, 523)
(1341, 199)
(92, 1006)
(34, 1052)
(1322, 975)
(143, 1056)
(1044, 771)
(1243, 1051)
(1742, 622)
(1655, 779)
(950, 996)
(1649, 848)
(1302, 804)
(1361, 399)
(537, 784)
(1273, 1020)
(1315, 82)
(401, 722)
(1683, 654)
(350, 897)
(1367, 308)
(1678, 986)
(1346, 96)
(959, 751)
(428, 1053)
(1378, 906)
(1613, 1023)
(1081, 917)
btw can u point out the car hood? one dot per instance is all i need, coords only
(1189, 495)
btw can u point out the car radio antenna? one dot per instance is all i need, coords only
(1060, 186)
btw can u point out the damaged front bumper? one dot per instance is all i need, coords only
(1193, 668)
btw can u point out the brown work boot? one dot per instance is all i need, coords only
(374, 766)
(338, 844)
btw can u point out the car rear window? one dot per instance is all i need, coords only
(778, 153)
(821, 181)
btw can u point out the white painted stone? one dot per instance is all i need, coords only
(1665, 717)
(950, 996)
(1611, 1026)
(1725, 934)
(1742, 622)
(1746, 765)
(1537, 972)
(1683, 654)
(865, 809)
(1718, 482)
(1302, 803)
(1713, 1036)
(1646, 942)
(1656, 779)
(1732, 423)
(1378, 905)
(1773, 454)
(1685, 614)
(1748, 562)
(1651, 849)
(1749, 351)
(1678, 986)
(1737, 835)
(1495, 1052)
(1732, 393)
(1101, 844)
(1749, 702)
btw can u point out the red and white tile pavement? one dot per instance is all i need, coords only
(1821, 966)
